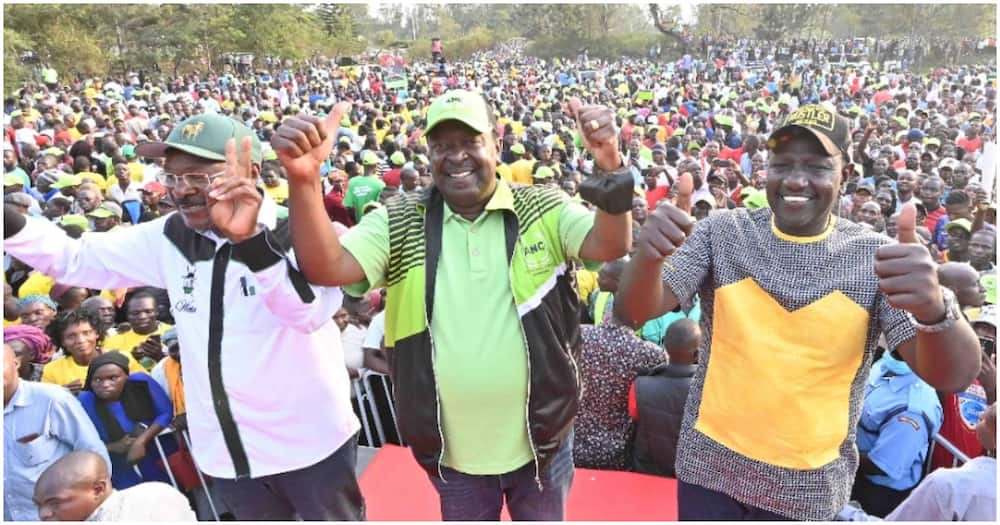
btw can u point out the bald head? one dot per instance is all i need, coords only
(101, 307)
(682, 340)
(962, 279)
(73, 487)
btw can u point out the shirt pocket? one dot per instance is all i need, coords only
(38, 450)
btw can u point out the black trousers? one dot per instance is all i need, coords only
(326, 491)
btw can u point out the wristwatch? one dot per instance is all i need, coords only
(952, 313)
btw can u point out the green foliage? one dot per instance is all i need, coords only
(99, 39)
(606, 47)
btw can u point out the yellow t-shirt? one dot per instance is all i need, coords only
(15, 322)
(279, 193)
(126, 341)
(520, 171)
(35, 284)
(64, 371)
(504, 171)
(136, 171)
(586, 282)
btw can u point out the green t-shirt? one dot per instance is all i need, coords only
(360, 191)
(481, 362)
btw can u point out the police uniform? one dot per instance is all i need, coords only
(900, 414)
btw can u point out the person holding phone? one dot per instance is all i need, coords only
(142, 339)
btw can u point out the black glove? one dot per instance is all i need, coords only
(612, 193)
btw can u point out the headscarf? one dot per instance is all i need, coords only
(136, 400)
(39, 298)
(34, 338)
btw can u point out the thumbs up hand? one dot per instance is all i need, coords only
(667, 228)
(907, 274)
(303, 142)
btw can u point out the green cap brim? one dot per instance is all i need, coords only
(101, 214)
(159, 150)
(481, 124)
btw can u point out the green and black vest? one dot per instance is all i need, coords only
(542, 281)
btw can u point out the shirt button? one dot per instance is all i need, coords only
(475, 253)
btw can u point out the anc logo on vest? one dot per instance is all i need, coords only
(536, 254)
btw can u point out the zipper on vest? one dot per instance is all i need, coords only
(437, 396)
(527, 403)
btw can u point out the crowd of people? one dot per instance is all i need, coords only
(775, 283)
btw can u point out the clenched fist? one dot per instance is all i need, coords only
(668, 226)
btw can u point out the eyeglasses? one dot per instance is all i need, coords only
(198, 181)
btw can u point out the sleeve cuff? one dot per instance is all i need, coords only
(256, 252)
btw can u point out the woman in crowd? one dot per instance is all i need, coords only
(33, 348)
(37, 310)
(80, 336)
(129, 411)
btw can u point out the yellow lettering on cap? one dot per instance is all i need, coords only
(811, 116)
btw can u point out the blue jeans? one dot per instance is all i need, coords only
(326, 491)
(696, 503)
(466, 497)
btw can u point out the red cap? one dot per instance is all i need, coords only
(154, 187)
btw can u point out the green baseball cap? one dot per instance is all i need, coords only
(369, 158)
(128, 151)
(75, 220)
(106, 210)
(12, 179)
(543, 172)
(463, 106)
(517, 149)
(66, 180)
(397, 158)
(203, 136)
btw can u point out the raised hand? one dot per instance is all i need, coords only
(599, 133)
(233, 199)
(303, 143)
(907, 274)
(669, 225)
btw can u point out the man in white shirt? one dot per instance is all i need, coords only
(260, 346)
(78, 488)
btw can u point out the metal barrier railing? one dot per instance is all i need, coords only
(166, 466)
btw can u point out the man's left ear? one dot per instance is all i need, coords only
(100, 488)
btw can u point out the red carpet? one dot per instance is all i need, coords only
(396, 489)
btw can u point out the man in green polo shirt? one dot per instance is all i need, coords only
(486, 404)
(365, 188)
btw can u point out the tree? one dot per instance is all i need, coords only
(668, 21)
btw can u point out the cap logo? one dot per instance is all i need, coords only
(191, 131)
(811, 116)
(453, 100)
